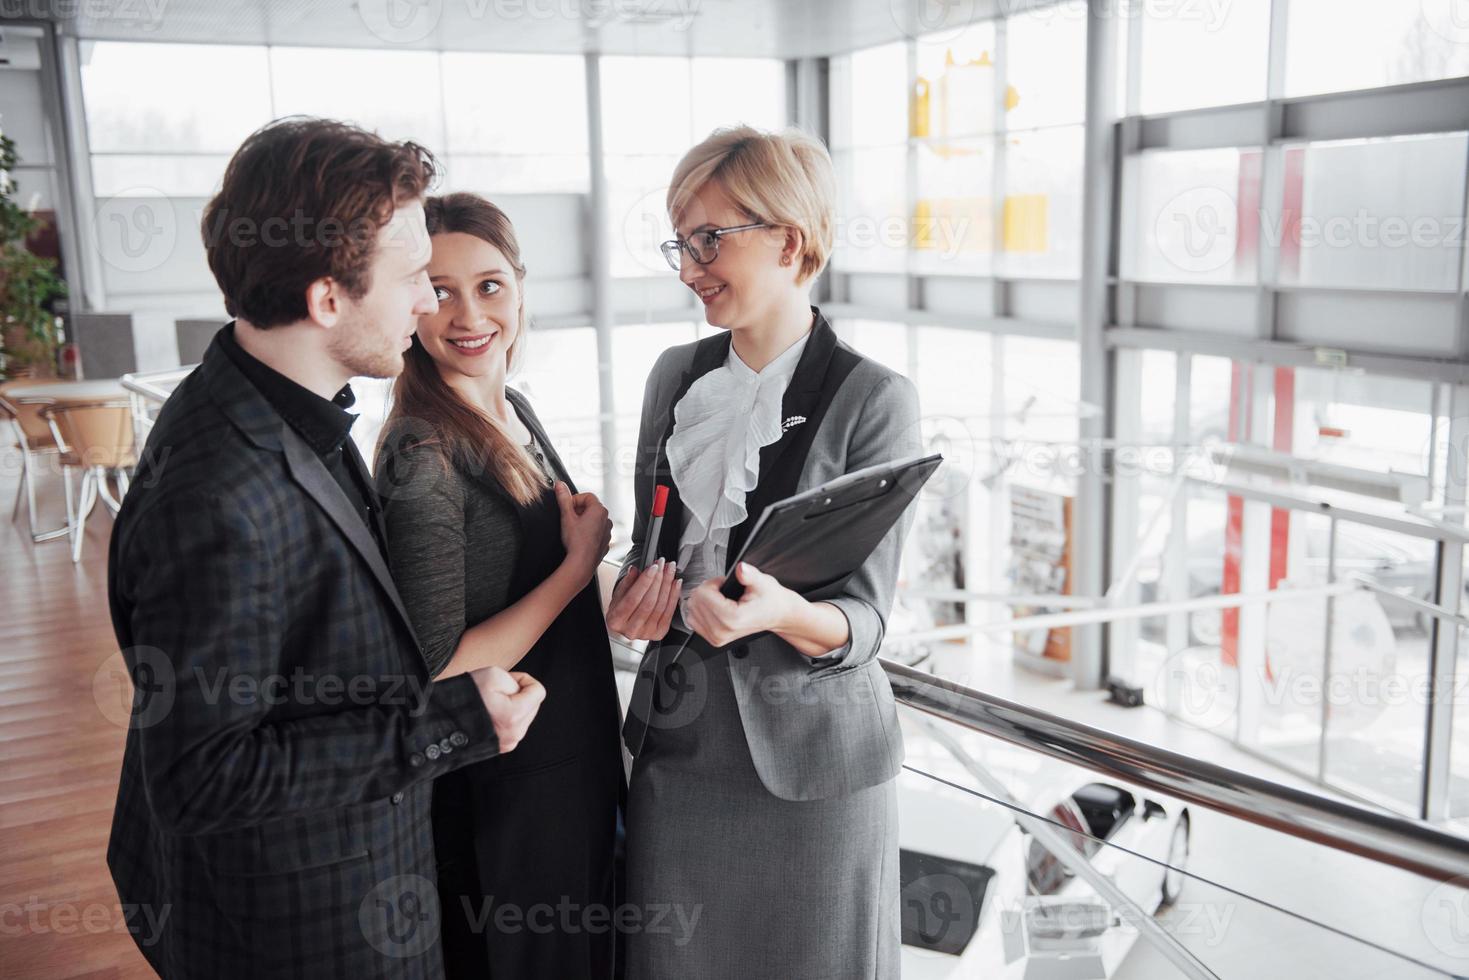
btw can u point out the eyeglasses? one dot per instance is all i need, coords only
(702, 246)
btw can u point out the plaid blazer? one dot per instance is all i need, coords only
(272, 818)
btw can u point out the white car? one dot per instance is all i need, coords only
(982, 898)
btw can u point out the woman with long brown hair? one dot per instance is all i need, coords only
(495, 556)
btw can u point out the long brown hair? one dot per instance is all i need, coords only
(426, 410)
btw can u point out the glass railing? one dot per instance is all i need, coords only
(1035, 847)
(1018, 867)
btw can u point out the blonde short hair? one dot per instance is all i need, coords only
(782, 178)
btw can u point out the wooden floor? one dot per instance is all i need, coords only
(61, 739)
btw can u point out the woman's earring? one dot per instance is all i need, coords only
(785, 260)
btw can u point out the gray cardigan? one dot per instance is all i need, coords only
(445, 528)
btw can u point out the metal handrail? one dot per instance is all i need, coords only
(146, 383)
(1411, 845)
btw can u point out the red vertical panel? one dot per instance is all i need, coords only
(1239, 396)
(1285, 418)
(1283, 439)
(1247, 211)
(1292, 197)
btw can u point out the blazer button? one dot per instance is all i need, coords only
(459, 739)
(397, 798)
(415, 760)
(432, 752)
(445, 746)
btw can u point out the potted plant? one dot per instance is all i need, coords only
(28, 284)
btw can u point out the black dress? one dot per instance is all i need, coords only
(525, 841)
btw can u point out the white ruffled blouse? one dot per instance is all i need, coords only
(720, 425)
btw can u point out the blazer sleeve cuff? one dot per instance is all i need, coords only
(864, 634)
(466, 726)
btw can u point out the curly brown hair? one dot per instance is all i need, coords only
(303, 199)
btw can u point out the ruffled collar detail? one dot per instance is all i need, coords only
(720, 425)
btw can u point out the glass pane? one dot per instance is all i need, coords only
(634, 349)
(1201, 54)
(873, 225)
(883, 341)
(733, 91)
(127, 175)
(1045, 62)
(396, 94)
(953, 229)
(1191, 215)
(1366, 421)
(166, 98)
(494, 175)
(487, 111)
(869, 97)
(1335, 45)
(647, 105)
(560, 378)
(954, 93)
(1383, 212)
(1042, 213)
(1042, 388)
(985, 894)
(1377, 691)
(637, 188)
(1287, 717)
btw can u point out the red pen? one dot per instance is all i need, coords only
(660, 501)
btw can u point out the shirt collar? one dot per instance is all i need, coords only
(784, 364)
(324, 424)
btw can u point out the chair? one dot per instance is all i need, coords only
(98, 436)
(33, 434)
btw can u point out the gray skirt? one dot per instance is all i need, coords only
(727, 880)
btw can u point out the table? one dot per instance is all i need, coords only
(102, 389)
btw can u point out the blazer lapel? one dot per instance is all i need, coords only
(802, 408)
(311, 475)
(254, 416)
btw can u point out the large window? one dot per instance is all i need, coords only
(1350, 44)
(653, 111)
(961, 154)
(151, 136)
(499, 123)
(1196, 54)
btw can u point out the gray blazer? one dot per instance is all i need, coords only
(818, 728)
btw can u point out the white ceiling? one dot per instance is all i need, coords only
(751, 28)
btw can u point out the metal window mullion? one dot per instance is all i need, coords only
(1443, 659)
(999, 291)
(1326, 649)
(599, 246)
(913, 289)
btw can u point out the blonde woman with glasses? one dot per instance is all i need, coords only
(763, 808)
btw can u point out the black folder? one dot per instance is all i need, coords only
(814, 541)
